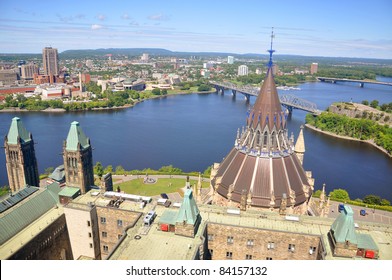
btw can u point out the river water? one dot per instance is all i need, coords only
(194, 131)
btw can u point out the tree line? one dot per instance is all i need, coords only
(363, 129)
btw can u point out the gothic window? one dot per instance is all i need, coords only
(248, 257)
(105, 248)
(104, 234)
(273, 140)
(291, 247)
(250, 242)
(265, 140)
(230, 239)
(258, 138)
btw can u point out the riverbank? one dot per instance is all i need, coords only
(61, 110)
(371, 142)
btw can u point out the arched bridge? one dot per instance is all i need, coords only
(290, 101)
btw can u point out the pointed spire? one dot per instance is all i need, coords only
(18, 131)
(271, 51)
(76, 137)
(299, 148)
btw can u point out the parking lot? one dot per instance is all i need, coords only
(372, 215)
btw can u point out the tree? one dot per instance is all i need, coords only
(339, 194)
(98, 169)
(203, 87)
(374, 104)
(372, 199)
(156, 91)
(385, 202)
(108, 169)
(207, 172)
(365, 102)
(164, 91)
(119, 169)
(49, 170)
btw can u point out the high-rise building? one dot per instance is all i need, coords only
(145, 57)
(21, 163)
(50, 60)
(313, 68)
(242, 70)
(230, 59)
(28, 71)
(78, 159)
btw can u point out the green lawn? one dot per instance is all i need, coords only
(161, 186)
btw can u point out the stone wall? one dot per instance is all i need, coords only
(51, 244)
(112, 223)
(239, 243)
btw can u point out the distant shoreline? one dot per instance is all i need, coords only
(61, 110)
(371, 142)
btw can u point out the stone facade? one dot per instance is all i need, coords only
(112, 222)
(51, 244)
(21, 165)
(239, 243)
(78, 166)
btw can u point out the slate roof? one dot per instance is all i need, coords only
(17, 129)
(76, 136)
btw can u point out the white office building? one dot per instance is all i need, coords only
(242, 70)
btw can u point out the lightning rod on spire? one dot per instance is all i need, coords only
(271, 51)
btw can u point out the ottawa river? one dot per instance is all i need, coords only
(194, 131)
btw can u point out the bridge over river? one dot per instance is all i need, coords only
(290, 101)
(360, 82)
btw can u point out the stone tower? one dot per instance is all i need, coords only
(78, 159)
(263, 162)
(22, 168)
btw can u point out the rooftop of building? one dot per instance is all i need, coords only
(75, 137)
(167, 245)
(18, 131)
(22, 222)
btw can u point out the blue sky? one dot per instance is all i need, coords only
(321, 28)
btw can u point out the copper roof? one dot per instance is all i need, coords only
(263, 177)
(262, 164)
(267, 108)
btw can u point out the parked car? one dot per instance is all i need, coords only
(163, 195)
(341, 207)
(362, 212)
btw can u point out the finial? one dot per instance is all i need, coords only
(271, 51)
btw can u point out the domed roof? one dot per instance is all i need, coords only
(262, 167)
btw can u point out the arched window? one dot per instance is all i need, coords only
(273, 140)
(265, 140)
(258, 138)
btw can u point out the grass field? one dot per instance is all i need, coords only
(164, 185)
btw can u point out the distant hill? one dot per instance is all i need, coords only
(135, 52)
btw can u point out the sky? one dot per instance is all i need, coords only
(338, 28)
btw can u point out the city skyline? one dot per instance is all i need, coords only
(339, 29)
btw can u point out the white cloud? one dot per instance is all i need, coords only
(96, 26)
(125, 16)
(101, 17)
(160, 17)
